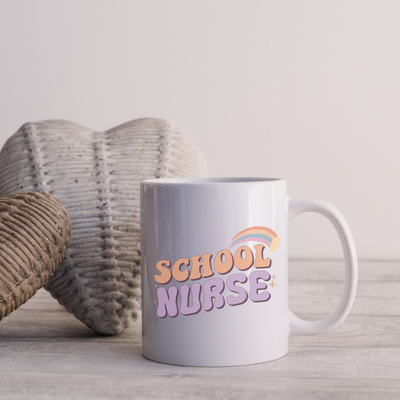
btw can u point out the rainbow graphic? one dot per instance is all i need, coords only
(257, 234)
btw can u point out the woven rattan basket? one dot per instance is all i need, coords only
(96, 176)
(35, 231)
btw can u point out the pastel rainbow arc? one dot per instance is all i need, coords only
(257, 234)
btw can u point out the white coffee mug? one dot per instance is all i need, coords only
(215, 270)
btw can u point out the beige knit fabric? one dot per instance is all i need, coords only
(35, 231)
(96, 175)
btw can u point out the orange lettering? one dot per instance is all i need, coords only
(260, 261)
(180, 276)
(165, 275)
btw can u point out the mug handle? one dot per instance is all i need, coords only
(298, 326)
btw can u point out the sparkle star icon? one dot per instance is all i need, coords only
(272, 284)
(273, 276)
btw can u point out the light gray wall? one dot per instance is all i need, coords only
(305, 90)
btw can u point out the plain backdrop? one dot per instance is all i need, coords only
(304, 90)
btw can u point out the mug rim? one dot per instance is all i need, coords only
(210, 180)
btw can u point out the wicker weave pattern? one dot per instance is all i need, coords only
(35, 232)
(96, 176)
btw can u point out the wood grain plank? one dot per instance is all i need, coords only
(85, 357)
(356, 332)
(41, 342)
(373, 298)
(181, 386)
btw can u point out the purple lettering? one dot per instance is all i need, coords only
(167, 302)
(196, 305)
(255, 286)
(210, 294)
(230, 284)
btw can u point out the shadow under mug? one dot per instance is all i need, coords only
(215, 270)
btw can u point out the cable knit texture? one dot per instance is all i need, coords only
(96, 175)
(35, 231)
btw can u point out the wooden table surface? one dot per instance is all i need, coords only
(47, 354)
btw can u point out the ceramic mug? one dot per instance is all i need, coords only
(215, 270)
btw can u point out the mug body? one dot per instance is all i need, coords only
(214, 270)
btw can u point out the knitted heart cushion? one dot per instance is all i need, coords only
(96, 176)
